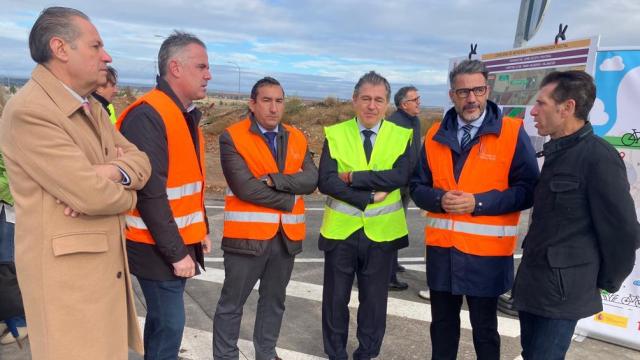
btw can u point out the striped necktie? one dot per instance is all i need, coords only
(466, 136)
(271, 139)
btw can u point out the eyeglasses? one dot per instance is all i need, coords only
(416, 100)
(464, 92)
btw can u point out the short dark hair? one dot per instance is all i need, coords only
(401, 94)
(172, 45)
(53, 21)
(372, 78)
(112, 75)
(265, 81)
(468, 67)
(573, 84)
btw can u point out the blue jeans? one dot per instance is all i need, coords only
(165, 319)
(543, 338)
(7, 247)
(7, 255)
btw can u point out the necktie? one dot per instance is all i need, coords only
(368, 146)
(466, 136)
(271, 139)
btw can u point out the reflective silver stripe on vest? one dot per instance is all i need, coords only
(387, 209)
(347, 209)
(444, 224)
(292, 219)
(136, 222)
(342, 207)
(175, 193)
(471, 228)
(181, 222)
(242, 216)
(190, 219)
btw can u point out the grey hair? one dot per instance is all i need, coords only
(372, 78)
(172, 45)
(401, 95)
(468, 67)
(53, 21)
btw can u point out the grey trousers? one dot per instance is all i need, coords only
(273, 269)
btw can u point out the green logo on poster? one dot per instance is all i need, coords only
(504, 77)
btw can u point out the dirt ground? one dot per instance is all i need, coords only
(309, 116)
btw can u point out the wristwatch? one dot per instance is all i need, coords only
(372, 197)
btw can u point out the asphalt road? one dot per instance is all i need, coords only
(407, 332)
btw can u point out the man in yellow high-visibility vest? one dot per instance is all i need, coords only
(365, 161)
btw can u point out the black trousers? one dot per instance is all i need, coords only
(355, 256)
(445, 325)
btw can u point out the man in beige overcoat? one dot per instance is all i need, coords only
(72, 176)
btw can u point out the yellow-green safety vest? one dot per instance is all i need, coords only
(383, 221)
(112, 113)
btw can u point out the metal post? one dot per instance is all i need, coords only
(238, 66)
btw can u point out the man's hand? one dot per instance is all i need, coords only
(206, 244)
(109, 171)
(458, 202)
(185, 268)
(379, 196)
(267, 181)
(345, 177)
(68, 211)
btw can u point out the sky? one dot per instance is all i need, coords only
(318, 48)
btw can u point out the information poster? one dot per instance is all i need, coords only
(515, 75)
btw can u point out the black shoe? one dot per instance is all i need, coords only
(400, 268)
(398, 286)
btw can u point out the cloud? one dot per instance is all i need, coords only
(612, 64)
(598, 116)
(408, 41)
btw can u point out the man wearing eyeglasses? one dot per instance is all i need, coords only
(477, 171)
(407, 101)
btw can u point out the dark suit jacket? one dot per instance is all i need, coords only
(358, 193)
(251, 189)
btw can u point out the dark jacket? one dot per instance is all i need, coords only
(251, 189)
(449, 269)
(358, 193)
(144, 127)
(103, 102)
(401, 118)
(584, 231)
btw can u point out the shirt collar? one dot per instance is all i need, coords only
(263, 130)
(475, 123)
(375, 129)
(75, 94)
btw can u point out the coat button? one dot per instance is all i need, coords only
(119, 275)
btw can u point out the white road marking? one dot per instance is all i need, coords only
(219, 207)
(197, 345)
(316, 260)
(396, 307)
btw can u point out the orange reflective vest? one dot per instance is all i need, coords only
(486, 168)
(185, 178)
(244, 220)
